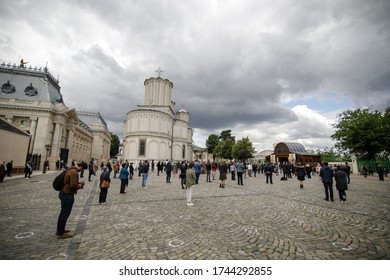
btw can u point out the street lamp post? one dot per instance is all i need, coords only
(47, 147)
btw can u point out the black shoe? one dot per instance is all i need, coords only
(327, 199)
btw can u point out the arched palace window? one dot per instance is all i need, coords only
(183, 152)
(142, 147)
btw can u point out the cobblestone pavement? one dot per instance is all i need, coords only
(254, 221)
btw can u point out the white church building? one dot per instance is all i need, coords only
(154, 131)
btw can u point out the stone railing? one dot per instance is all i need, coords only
(30, 69)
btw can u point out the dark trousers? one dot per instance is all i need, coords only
(103, 195)
(124, 182)
(208, 177)
(168, 178)
(233, 175)
(197, 178)
(269, 177)
(239, 178)
(90, 175)
(183, 180)
(342, 195)
(67, 201)
(328, 190)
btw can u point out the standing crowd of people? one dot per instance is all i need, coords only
(189, 175)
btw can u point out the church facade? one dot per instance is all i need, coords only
(154, 131)
(30, 100)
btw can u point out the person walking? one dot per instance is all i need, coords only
(285, 171)
(208, 171)
(109, 167)
(269, 170)
(131, 171)
(144, 172)
(250, 169)
(300, 172)
(105, 176)
(71, 186)
(318, 169)
(348, 172)
(341, 183)
(326, 174)
(115, 168)
(124, 177)
(239, 169)
(9, 167)
(233, 171)
(3, 171)
(183, 168)
(254, 166)
(28, 170)
(380, 173)
(91, 170)
(364, 171)
(223, 169)
(168, 171)
(308, 170)
(198, 169)
(214, 170)
(190, 182)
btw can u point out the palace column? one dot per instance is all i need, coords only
(33, 132)
(55, 145)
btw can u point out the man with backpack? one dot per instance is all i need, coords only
(66, 195)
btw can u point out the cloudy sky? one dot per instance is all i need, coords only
(273, 71)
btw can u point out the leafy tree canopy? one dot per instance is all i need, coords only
(224, 149)
(363, 132)
(114, 148)
(243, 149)
(211, 143)
(227, 134)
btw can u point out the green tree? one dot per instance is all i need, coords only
(227, 134)
(386, 128)
(114, 148)
(211, 143)
(243, 149)
(332, 155)
(362, 132)
(224, 149)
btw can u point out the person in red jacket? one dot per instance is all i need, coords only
(71, 186)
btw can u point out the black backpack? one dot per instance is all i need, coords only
(58, 182)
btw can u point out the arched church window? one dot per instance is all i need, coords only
(142, 147)
(183, 152)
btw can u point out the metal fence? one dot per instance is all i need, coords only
(372, 165)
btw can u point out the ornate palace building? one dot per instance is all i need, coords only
(30, 100)
(154, 131)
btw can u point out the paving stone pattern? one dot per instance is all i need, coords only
(255, 221)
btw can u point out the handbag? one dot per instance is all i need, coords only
(105, 184)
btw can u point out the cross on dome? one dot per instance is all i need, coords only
(159, 71)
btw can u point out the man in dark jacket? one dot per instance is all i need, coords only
(269, 169)
(168, 171)
(9, 167)
(326, 174)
